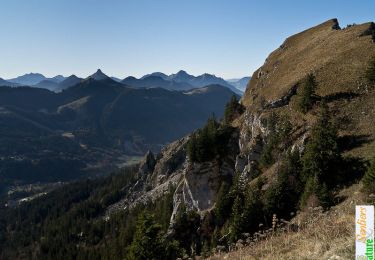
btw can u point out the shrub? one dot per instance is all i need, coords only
(370, 71)
(279, 129)
(369, 178)
(232, 110)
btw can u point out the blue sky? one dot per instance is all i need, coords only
(229, 38)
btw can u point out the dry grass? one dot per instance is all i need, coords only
(337, 57)
(322, 235)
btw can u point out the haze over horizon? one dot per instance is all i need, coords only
(123, 38)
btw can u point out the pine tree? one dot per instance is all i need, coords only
(370, 72)
(306, 96)
(369, 178)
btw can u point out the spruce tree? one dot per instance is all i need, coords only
(310, 191)
(322, 153)
(252, 209)
(147, 242)
(223, 204)
(315, 194)
(236, 219)
(320, 161)
(282, 195)
(192, 148)
(266, 157)
(185, 227)
(306, 96)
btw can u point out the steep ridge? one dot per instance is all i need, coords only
(337, 57)
(294, 61)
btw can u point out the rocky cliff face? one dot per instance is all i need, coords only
(195, 184)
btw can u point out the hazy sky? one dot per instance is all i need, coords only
(133, 37)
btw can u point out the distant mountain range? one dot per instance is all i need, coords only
(156, 81)
(240, 84)
(179, 81)
(32, 79)
(4, 82)
(94, 121)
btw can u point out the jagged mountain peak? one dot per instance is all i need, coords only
(98, 75)
(181, 76)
